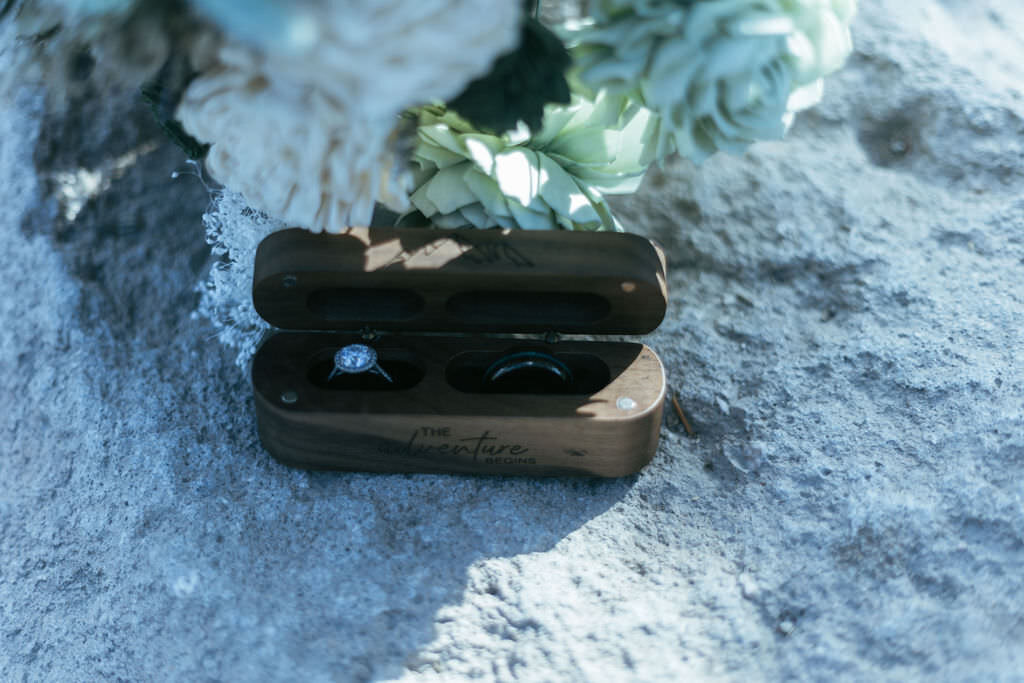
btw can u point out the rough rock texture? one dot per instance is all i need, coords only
(845, 334)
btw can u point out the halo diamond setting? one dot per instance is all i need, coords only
(355, 359)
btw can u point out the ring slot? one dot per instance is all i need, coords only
(528, 310)
(527, 371)
(400, 366)
(358, 304)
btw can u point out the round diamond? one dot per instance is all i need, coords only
(355, 358)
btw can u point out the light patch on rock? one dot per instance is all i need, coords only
(234, 230)
(186, 584)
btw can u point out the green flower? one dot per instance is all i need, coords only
(720, 74)
(554, 179)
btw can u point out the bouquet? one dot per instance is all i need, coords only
(454, 113)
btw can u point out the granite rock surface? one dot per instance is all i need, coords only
(845, 335)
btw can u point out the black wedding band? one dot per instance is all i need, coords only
(508, 367)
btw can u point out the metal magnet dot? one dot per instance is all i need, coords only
(625, 403)
(289, 397)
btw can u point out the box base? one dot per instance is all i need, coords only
(422, 422)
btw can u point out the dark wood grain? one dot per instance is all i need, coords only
(432, 427)
(461, 280)
(437, 415)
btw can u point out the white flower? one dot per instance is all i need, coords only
(303, 125)
(291, 150)
(555, 179)
(721, 74)
(384, 55)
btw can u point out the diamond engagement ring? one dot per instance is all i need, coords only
(355, 359)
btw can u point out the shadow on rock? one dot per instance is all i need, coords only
(231, 565)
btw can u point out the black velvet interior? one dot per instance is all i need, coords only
(466, 372)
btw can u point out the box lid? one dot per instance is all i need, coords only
(424, 279)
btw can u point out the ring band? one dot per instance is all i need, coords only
(356, 359)
(512, 364)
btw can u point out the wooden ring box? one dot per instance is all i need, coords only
(440, 307)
